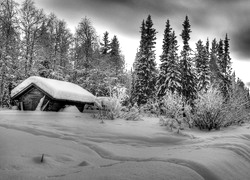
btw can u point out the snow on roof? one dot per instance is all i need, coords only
(57, 89)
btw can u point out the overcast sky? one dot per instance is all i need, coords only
(208, 18)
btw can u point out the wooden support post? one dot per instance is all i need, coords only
(42, 158)
(21, 104)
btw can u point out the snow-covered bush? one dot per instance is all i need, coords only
(150, 108)
(176, 112)
(133, 114)
(209, 107)
(112, 106)
(235, 109)
(115, 105)
(109, 108)
(212, 112)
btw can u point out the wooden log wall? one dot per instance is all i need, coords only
(31, 99)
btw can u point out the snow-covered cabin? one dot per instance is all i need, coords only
(28, 94)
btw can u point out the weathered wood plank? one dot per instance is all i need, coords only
(43, 108)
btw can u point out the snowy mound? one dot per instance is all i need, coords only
(71, 109)
(56, 89)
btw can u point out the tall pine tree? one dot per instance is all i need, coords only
(226, 58)
(169, 76)
(106, 44)
(173, 79)
(164, 58)
(213, 62)
(214, 47)
(207, 45)
(117, 61)
(188, 79)
(202, 66)
(225, 67)
(221, 58)
(145, 70)
(220, 54)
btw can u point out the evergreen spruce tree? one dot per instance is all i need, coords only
(117, 61)
(214, 47)
(137, 94)
(132, 91)
(207, 45)
(164, 58)
(173, 80)
(106, 44)
(188, 79)
(202, 66)
(143, 39)
(169, 77)
(215, 74)
(226, 59)
(198, 58)
(220, 54)
(133, 74)
(225, 67)
(145, 71)
(213, 62)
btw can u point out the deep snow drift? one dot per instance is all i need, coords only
(76, 146)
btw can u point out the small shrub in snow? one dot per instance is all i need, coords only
(112, 106)
(212, 112)
(109, 108)
(14, 108)
(133, 114)
(209, 109)
(150, 108)
(170, 123)
(176, 112)
(235, 109)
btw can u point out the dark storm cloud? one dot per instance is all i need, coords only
(225, 1)
(212, 18)
(248, 84)
(138, 6)
(126, 2)
(125, 15)
(231, 17)
(241, 41)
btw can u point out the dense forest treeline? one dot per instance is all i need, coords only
(188, 73)
(196, 88)
(33, 43)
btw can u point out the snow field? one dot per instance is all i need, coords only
(76, 146)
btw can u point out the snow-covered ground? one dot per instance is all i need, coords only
(76, 146)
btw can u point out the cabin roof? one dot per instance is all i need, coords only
(59, 90)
